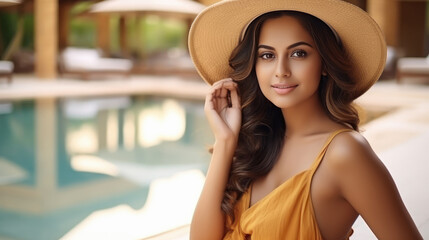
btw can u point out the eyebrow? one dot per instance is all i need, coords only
(289, 47)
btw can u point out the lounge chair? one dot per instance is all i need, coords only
(171, 62)
(87, 62)
(412, 67)
(6, 70)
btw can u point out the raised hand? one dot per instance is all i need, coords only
(223, 110)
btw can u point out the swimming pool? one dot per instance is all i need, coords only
(67, 163)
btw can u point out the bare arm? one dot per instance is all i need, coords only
(368, 186)
(223, 112)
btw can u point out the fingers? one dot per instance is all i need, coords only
(223, 94)
(214, 97)
(221, 87)
(235, 99)
(222, 81)
(231, 93)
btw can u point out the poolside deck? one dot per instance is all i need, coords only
(28, 87)
(400, 137)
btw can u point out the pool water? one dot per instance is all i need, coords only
(62, 160)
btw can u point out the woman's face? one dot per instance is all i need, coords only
(288, 66)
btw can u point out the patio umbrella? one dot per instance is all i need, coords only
(176, 8)
(4, 3)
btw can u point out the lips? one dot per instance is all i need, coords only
(281, 86)
(284, 88)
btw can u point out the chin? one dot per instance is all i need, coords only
(282, 104)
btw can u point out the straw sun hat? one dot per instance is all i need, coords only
(217, 30)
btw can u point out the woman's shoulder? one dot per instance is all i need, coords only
(350, 151)
(354, 166)
(347, 141)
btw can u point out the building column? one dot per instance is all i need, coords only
(123, 37)
(46, 38)
(103, 33)
(64, 24)
(386, 13)
(412, 26)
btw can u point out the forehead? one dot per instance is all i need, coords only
(284, 29)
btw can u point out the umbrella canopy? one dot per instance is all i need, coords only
(4, 3)
(177, 8)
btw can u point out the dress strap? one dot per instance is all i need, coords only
(325, 147)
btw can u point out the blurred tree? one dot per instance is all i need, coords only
(16, 33)
(16, 40)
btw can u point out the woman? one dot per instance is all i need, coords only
(288, 161)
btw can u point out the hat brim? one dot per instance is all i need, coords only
(217, 30)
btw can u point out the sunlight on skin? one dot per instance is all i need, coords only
(170, 204)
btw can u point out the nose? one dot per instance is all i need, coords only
(283, 68)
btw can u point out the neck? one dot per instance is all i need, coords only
(306, 118)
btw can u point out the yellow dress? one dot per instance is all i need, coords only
(285, 213)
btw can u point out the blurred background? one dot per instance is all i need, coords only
(102, 129)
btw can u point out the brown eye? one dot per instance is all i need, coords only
(266, 55)
(299, 54)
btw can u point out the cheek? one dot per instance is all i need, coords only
(261, 74)
(309, 69)
(261, 70)
(309, 73)
(264, 73)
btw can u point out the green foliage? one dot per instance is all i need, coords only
(8, 23)
(82, 30)
(146, 33)
(28, 38)
(150, 33)
(80, 7)
(8, 29)
(160, 34)
(82, 33)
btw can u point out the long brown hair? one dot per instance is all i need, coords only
(263, 127)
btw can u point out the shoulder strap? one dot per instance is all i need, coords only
(325, 147)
